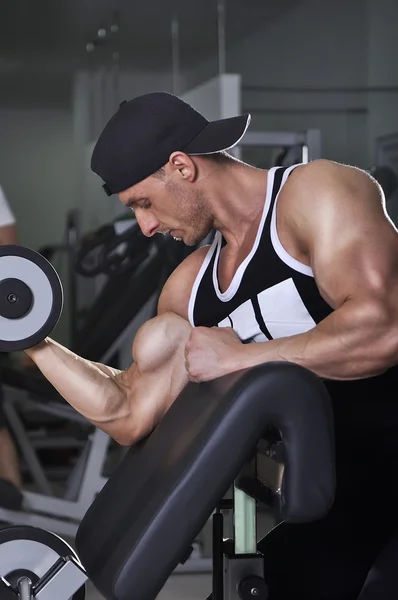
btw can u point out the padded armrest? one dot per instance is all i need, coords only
(162, 493)
(301, 489)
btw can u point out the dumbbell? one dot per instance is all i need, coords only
(31, 298)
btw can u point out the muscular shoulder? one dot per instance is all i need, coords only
(323, 192)
(177, 289)
(332, 180)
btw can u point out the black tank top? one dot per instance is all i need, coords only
(273, 295)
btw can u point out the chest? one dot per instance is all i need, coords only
(263, 295)
(231, 257)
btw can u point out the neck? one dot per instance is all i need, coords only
(236, 199)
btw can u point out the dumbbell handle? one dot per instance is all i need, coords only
(25, 589)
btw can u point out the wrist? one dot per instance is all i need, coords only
(237, 359)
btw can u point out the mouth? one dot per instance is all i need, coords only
(170, 232)
(175, 237)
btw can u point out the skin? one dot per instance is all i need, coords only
(330, 217)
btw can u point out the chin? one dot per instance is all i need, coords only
(196, 238)
(193, 241)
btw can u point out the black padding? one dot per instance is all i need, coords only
(159, 498)
(123, 296)
(112, 311)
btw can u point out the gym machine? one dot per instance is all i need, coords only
(308, 141)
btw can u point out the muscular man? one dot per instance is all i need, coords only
(303, 268)
(10, 477)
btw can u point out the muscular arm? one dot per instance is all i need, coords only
(339, 220)
(125, 404)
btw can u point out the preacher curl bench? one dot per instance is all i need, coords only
(142, 523)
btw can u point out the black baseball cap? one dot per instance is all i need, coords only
(139, 138)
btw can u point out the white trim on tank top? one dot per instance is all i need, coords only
(285, 257)
(240, 271)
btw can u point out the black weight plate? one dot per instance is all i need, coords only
(16, 298)
(57, 298)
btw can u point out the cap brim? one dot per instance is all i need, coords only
(219, 135)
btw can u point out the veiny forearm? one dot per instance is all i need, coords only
(91, 388)
(354, 342)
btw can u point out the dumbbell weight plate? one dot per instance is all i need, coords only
(30, 552)
(31, 298)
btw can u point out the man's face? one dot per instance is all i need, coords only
(169, 204)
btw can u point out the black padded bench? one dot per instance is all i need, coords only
(142, 523)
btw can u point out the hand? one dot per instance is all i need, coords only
(211, 353)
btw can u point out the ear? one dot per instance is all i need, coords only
(182, 165)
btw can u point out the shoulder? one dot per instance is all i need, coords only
(326, 190)
(329, 177)
(177, 289)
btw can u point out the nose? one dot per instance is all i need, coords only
(147, 223)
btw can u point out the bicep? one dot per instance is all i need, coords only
(177, 289)
(157, 374)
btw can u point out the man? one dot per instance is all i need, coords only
(304, 264)
(10, 477)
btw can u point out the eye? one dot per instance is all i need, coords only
(145, 205)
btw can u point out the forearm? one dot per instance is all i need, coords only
(91, 388)
(348, 344)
